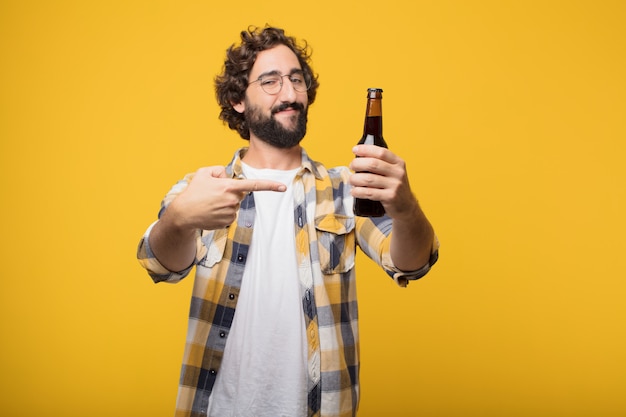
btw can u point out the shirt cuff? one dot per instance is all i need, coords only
(402, 278)
(158, 272)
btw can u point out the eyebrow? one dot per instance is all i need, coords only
(276, 72)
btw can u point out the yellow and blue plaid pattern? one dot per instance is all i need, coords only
(327, 234)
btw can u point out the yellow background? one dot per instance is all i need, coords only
(510, 115)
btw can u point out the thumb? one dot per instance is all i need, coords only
(217, 171)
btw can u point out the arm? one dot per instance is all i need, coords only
(412, 239)
(209, 202)
(381, 176)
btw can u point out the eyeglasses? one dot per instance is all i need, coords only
(273, 83)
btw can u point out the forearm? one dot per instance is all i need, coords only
(173, 246)
(411, 240)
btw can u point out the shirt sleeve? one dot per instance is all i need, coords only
(373, 236)
(402, 278)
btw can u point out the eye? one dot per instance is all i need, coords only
(297, 79)
(269, 81)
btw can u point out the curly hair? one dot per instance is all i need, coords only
(231, 85)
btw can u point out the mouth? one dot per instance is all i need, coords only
(288, 108)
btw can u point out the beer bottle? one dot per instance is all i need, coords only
(372, 135)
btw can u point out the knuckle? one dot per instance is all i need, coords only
(373, 164)
(204, 172)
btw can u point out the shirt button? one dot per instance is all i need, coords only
(222, 334)
(231, 296)
(240, 258)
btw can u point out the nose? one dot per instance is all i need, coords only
(287, 92)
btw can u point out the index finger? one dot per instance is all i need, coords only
(373, 151)
(247, 186)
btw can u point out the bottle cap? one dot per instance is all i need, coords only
(374, 92)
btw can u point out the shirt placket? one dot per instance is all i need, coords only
(303, 241)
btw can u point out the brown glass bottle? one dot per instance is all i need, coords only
(372, 135)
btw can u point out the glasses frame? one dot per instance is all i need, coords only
(307, 81)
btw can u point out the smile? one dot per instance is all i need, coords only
(288, 108)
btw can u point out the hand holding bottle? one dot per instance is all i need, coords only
(380, 176)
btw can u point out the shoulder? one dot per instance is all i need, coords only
(341, 172)
(321, 171)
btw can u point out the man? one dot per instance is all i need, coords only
(273, 327)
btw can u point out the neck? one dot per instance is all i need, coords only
(265, 156)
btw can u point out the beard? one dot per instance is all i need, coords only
(271, 131)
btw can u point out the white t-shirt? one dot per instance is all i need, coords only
(263, 373)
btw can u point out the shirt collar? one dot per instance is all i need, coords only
(235, 170)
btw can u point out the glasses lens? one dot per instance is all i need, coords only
(272, 84)
(299, 82)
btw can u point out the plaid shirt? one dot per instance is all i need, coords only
(327, 234)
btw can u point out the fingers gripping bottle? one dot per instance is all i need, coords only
(372, 135)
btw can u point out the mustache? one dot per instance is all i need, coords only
(285, 106)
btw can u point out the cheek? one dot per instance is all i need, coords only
(264, 106)
(256, 114)
(303, 98)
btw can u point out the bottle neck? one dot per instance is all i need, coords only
(373, 117)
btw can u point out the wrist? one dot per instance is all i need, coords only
(407, 212)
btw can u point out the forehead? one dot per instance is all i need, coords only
(279, 59)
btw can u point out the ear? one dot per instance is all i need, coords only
(239, 107)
